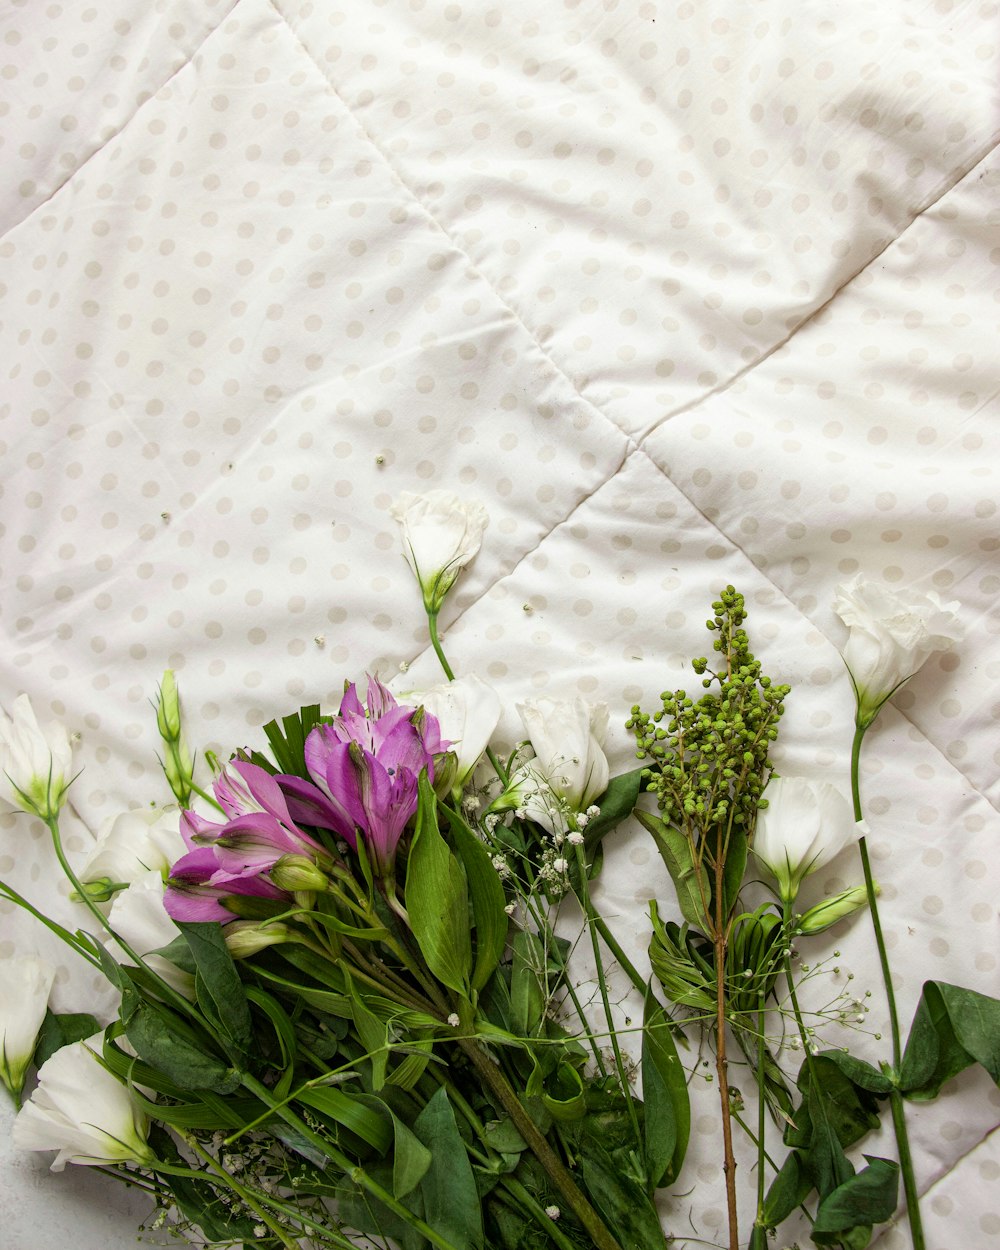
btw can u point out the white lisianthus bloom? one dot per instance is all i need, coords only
(134, 843)
(25, 985)
(34, 761)
(570, 768)
(80, 1110)
(140, 919)
(441, 534)
(805, 824)
(892, 633)
(468, 711)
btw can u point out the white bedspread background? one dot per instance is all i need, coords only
(685, 294)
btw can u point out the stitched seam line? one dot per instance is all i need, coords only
(121, 129)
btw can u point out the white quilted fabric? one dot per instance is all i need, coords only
(685, 294)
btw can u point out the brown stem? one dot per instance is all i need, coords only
(547, 1157)
(721, 1067)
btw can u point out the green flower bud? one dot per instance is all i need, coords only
(295, 873)
(834, 908)
(245, 938)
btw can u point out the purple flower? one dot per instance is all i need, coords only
(192, 894)
(235, 856)
(366, 763)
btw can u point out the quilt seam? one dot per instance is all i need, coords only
(632, 444)
(944, 188)
(121, 129)
(791, 603)
(431, 217)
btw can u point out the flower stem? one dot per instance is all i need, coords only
(432, 625)
(761, 1109)
(581, 865)
(352, 1170)
(895, 1098)
(721, 1065)
(494, 1079)
(527, 1203)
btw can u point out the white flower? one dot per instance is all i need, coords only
(568, 740)
(467, 710)
(441, 534)
(140, 919)
(25, 984)
(80, 1110)
(134, 843)
(34, 762)
(805, 824)
(892, 633)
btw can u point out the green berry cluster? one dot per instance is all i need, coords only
(708, 757)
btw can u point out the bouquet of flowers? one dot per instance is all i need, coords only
(347, 972)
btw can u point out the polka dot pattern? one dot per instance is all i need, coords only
(684, 297)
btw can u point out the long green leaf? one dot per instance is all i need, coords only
(350, 1112)
(667, 1121)
(451, 1200)
(437, 899)
(166, 1043)
(488, 899)
(220, 991)
(675, 851)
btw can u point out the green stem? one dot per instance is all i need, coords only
(581, 865)
(543, 1152)
(761, 1108)
(432, 625)
(895, 1098)
(614, 947)
(542, 925)
(527, 1203)
(206, 796)
(70, 939)
(168, 992)
(240, 1190)
(352, 1170)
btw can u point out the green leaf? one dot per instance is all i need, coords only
(788, 1190)
(58, 1031)
(860, 1073)
(488, 899)
(410, 1157)
(351, 1112)
(165, 1042)
(952, 1028)
(675, 851)
(284, 1029)
(437, 899)
(374, 1035)
(626, 1209)
(451, 1200)
(287, 741)
(861, 1201)
(617, 802)
(829, 1095)
(734, 868)
(218, 986)
(527, 984)
(667, 1107)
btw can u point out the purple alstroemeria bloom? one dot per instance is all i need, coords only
(367, 762)
(260, 828)
(191, 894)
